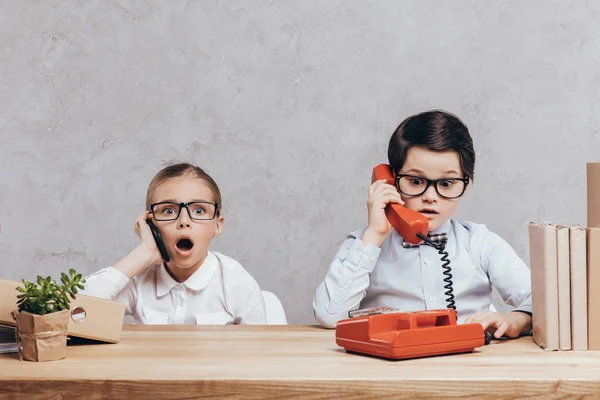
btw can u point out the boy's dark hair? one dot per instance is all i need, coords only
(434, 130)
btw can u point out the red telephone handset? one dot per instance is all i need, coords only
(408, 223)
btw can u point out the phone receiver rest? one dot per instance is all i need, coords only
(400, 335)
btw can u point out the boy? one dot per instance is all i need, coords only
(432, 158)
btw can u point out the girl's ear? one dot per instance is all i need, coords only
(219, 226)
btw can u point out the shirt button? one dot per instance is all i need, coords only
(431, 298)
(426, 262)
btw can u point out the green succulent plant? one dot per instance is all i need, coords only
(46, 296)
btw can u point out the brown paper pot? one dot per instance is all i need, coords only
(42, 337)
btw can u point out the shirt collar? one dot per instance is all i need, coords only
(446, 227)
(198, 281)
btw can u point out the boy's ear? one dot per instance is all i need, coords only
(468, 187)
(219, 226)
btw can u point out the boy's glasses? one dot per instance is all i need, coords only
(197, 210)
(448, 188)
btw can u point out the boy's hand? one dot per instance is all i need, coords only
(510, 324)
(379, 228)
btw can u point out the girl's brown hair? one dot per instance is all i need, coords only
(183, 170)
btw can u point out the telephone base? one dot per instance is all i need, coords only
(401, 336)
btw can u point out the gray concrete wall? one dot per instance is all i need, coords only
(288, 105)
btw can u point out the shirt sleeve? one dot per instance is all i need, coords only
(252, 311)
(507, 272)
(242, 294)
(346, 282)
(111, 284)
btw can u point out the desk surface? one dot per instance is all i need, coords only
(252, 361)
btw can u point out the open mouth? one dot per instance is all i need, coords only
(185, 244)
(429, 212)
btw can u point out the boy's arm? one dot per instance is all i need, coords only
(508, 273)
(346, 282)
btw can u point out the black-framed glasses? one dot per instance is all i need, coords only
(448, 188)
(197, 210)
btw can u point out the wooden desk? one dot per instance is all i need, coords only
(269, 362)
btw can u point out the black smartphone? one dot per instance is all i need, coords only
(158, 239)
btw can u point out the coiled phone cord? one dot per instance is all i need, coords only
(440, 247)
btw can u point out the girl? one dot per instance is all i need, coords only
(196, 285)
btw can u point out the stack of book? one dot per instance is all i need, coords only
(8, 343)
(565, 271)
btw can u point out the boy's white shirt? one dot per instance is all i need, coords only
(220, 292)
(411, 279)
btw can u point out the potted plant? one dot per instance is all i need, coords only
(42, 316)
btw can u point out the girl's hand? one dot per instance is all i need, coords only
(145, 255)
(148, 245)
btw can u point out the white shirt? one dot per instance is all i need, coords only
(220, 292)
(411, 279)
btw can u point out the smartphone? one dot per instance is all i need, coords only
(158, 239)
